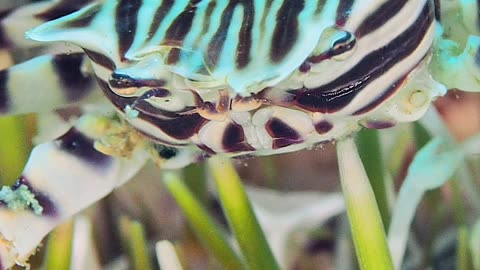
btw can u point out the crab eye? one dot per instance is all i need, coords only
(334, 43)
(343, 47)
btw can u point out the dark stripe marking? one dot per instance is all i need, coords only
(215, 47)
(181, 128)
(477, 57)
(62, 8)
(182, 24)
(126, 24)
(338, 94)
(234, 141)
(344, 10)
(207, 152)
(178, 30)
(282, 134)
(4, 40)
(160, 14)
(388, 92)
(84, 19)
(206, 25)
(478, 14)
(378, 124)
(101, 59)
(175, 125)
(118, 80)
(156, 92)
(384, 96)
(80, 146)
(173, 56)
(74, 82)
(322, 245)
(438, 9)
(245, 35)
(4, 97)
(286, 29)
(208, 14)
(49, 208)
(378, 18)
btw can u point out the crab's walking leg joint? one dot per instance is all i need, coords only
(208, 110)
(45, 83)
(61, 178)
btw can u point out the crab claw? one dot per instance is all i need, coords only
(61, 178)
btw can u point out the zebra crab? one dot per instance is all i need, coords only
(190, 79)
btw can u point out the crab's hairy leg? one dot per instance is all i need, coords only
(45, 83)
(64, 176)
(17, 18)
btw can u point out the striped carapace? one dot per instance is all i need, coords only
(255, 76)
(192, 78)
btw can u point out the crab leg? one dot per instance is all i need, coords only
(44, 83)
(61, 178)
(16, 17)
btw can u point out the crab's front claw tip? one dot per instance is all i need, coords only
(61, 178)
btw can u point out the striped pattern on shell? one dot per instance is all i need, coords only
(194, 78)
(254, 76)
